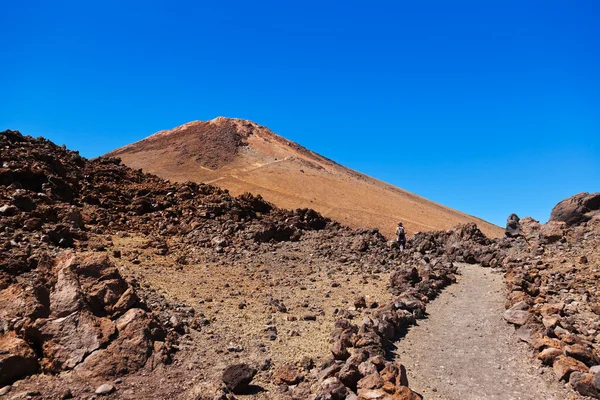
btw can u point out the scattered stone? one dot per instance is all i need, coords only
(237, 377)
(105, 389)
(309, 317)
(287, 374)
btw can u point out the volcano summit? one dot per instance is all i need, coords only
(242, 156)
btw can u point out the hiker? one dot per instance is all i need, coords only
(401, 234)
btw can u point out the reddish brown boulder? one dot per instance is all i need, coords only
(564, 366)
(67, 341)
(394, 373)
(552, 231)
(372, 381)
(389, 392)
(576, 209)
(581, 353)
(17, 359)
(129, 351)
(287, 374)
(548, 355)
(93, 282)
(584, 384)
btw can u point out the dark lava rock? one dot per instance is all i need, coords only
(513, 227)
(237, 377)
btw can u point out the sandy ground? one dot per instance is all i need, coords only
(465, 350)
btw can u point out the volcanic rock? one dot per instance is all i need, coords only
(17, 359)
(584, 384)
(287, 374)
(564, 366)
(237, 377)
(513, 228)
(576, 209)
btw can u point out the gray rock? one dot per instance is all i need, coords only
(517, 314)
(105, 389)
(513, 227)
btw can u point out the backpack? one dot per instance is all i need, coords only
(400, 231)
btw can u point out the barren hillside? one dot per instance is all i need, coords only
(117, 284)
(242, 156)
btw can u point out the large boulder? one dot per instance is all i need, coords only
(91, 320)
(139, 335)
(513, 227)
(577, 209)
(67, 341)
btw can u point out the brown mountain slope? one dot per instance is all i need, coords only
(242, 156)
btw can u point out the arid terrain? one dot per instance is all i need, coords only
(242, 156)
(118, 284)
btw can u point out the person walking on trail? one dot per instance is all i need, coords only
(401, 235)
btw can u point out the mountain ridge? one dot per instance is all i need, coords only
(243, 156)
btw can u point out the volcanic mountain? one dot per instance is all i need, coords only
(242, 156)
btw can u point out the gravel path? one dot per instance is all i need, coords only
(465, 350)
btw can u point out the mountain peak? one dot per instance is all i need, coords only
(243, 156)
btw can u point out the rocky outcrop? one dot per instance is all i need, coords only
(67, 311)
(552, 278)
(576, 209)
(513, 227)
(85, 317)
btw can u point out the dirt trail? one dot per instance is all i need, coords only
(465, 350)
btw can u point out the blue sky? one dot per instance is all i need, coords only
(487, 107)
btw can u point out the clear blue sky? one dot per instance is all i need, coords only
(490, 107)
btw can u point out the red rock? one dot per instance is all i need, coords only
(129, 351)
(584, 384)
(581, 353)
(394, 373)
(17, 359)
(372, 381)
(68, 340)
(392, 393)
(287, 374)
(563, 367)
(548, 355)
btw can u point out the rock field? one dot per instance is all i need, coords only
(118, 284)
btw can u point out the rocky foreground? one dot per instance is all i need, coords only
(118, 284)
